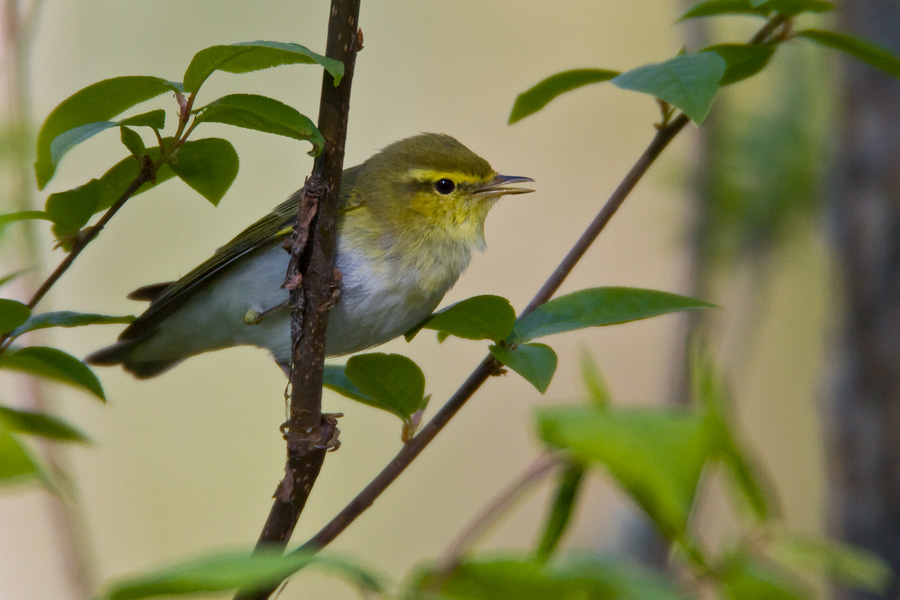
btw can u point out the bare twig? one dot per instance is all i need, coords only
(538, 469)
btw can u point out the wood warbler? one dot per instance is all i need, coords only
(409, 219)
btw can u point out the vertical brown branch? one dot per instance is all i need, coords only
(312, 283)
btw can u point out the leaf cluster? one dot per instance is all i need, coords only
(207, 165)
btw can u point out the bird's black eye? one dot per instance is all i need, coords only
(444, 186)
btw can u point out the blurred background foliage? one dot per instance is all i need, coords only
(734, 215)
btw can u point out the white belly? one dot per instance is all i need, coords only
(373, 308)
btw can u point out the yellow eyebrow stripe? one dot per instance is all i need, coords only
(428, 175)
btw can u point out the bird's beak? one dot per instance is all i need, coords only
(500, 186)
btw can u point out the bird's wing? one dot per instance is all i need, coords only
(262, 235)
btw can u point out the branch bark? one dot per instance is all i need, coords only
(312, 282)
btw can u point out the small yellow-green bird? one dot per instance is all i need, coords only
(410, 217)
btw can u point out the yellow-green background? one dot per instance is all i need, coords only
(187, 462)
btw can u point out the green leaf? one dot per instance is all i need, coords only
(53, 364)
(253, 56)
(16, 462)
(657, 456)
(508, 578)
(860, 49)
(208, 165)
(251, 111)
(848, 564)
(71, 138)
(132, 140)
(594, 383)
(596, 307)
(478, 318)
(539, 96)
(759, 8)
(742, 60)
(229, 571)
(712, 8)
(392, 382)
(155, 119)
(72, 209)
(39, 424)
(567, 489)
(709, 390)
(12, 314)
(335, 379)
(689, 81)
(751, 578)
(98, 102)
(535, 362)
(790, 8)
(66, 318)
(24, 215)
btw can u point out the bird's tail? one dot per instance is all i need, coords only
(120, 354)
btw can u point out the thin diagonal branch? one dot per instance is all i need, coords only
(665, 133)
(490, 365)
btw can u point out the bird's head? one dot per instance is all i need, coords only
(432, 186)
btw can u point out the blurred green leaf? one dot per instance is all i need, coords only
(711, 8)
(16, 463)
(229, 571)
(524, 579)
(601, 306)
(742, 60)
(132, 140)
(860, 49)
(478, 318)
(534, 99)
(388, 381)
(260, 113)
(657, 456)
(24, 215)
(594, 382)
(535, 362)
(10, 276)
(759, 8)
(66, 318)
(98, 102)
(245, 57)
(54, 364)
(689, 82)
(208, 165)
(791, 8)
(39, 424)
(12, 314)
(709, 390)
(752, 578)
(567, 489)
(847, 564)
(72, 209)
